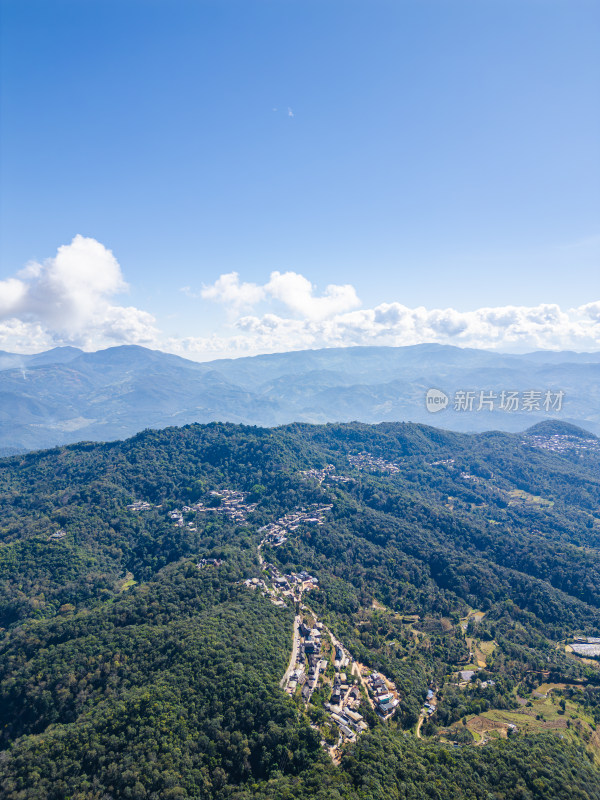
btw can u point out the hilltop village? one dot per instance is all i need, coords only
(327, 473)
(340, 695)
(322, 675)
(321, 669)
(319, 663)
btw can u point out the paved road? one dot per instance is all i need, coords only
(293, 657)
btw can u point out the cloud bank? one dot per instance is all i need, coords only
(67, 300)
(70, 299)
(509, 328)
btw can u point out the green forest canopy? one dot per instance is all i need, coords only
(167, 684)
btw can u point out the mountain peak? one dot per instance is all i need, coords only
(556, 427)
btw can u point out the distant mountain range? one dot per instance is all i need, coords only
(66, 395)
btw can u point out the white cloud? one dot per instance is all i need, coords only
(297, 293)
(17, 336)
(67, 299)
(12, 293)
(229, 291)
(291, 289)
(591, 310)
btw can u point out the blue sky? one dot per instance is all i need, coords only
(440, 154)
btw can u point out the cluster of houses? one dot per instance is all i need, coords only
(383, 692)
(343, 708)
(446, 462)
(372, 463)
(57, 535)
(292, 584)
(349, 721)
(140, 505)
(232, 503)
(429, 705)
(209, 562)
(319, 474)
(345, 698)
(302, 580)
(268, 591)
(177, 516)
(560, 443)
(278, 587)
(327, 473)
(310, 664)
(275, 532)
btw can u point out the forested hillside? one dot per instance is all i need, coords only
(151, 591)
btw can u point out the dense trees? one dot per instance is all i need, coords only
(170, 688)
(175, 681)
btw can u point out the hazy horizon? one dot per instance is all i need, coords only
(190, 357)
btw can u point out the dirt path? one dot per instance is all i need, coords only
(419, 724)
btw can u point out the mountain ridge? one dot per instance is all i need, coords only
(65, 394)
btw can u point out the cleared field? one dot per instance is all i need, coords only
(544, 714)
(519, 497)
(127, 582)
(487, 648)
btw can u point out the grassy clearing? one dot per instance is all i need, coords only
(544, 714)
(487, 648)
(519, 497)
(127, 582)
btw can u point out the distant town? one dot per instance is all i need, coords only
(561, 443)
